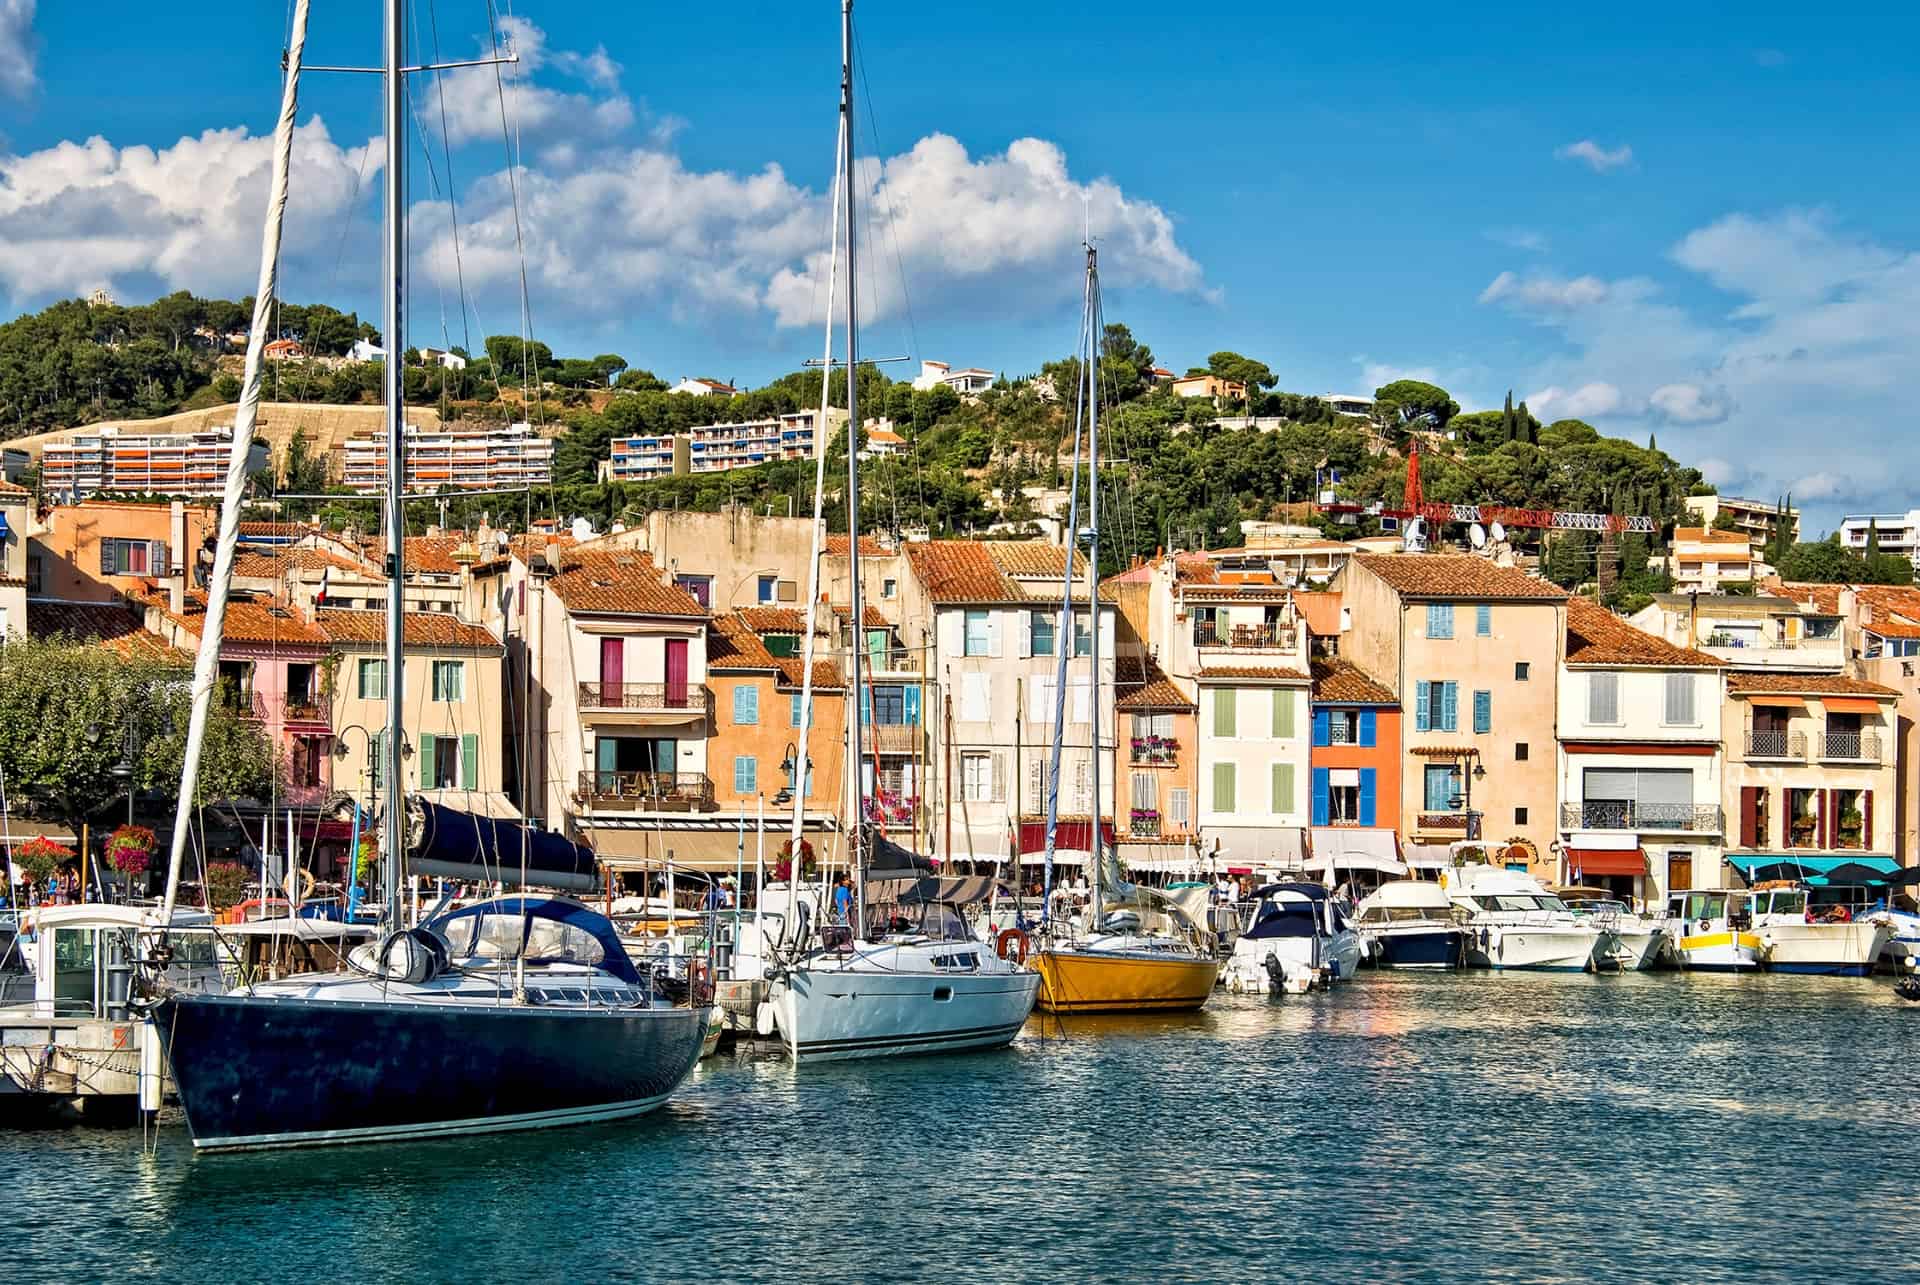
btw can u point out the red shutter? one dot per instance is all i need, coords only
(1749, 816)
(1866, 820)
(1825, 798)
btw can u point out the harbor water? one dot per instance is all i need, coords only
(1447, 1127)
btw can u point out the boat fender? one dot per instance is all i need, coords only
(1010, 941)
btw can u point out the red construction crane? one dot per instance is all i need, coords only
(1415, 506)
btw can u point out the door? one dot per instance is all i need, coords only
(1679, 871)
(677, 673)
(613, 661)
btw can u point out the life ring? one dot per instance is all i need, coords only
(1018, 939)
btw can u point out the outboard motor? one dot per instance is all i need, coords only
(1276, 975)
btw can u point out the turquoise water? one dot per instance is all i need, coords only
(1478, 1126)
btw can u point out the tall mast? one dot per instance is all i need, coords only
(855, 738)
(393, 387)
(1098, 851)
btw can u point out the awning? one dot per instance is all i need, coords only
(1341, 848)
(1067, 834)
(1427, 856)
(1850, 705)
(1587, 862)
(1779, 702)
(1061, 857)
(1757, 867)
(1283, 846)
(710, 848)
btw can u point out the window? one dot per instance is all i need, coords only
(1343, 804)
(1440, 620)
(440, 759)
(132, 558)
(978, 631)
(1680, 712)
(1082, 634)
(1225, 700)
(449, 680)
(1803, 818)
(1603, 698)
(889, 588)
(699, 587)
(768, 589)
(1436, 707)
(889, 706)
(1041, 627)
(1343, 727)
(746, 705)
(1521, 671)
(1179, 808)
(976, 777)
(1483, 620)
(1482, 712)
(1626, 798)
(746, 774)
(373, 680)
(1519, 816)
(1442, 787)
(36, 574)
(1519, 751)
(1223, 787)
(793, 710)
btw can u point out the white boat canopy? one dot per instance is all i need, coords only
(1364, 849)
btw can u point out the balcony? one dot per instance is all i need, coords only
(1777, 745)
(1267, 637)
(651, 791)
(1850, 747)
(1615, 814)
(1144, 823)
(309, 712)
(1154, 751)
(678, 700)
(1459, 825)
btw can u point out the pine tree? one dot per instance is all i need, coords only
(1873, 543)
(1508, 427)
(1528, 426)
(1652, 445)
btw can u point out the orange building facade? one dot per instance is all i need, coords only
(1355, 757)
(103, 550)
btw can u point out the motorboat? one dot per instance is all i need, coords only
(1639, 940)
(514, 1013)
(1513, 922)
(1411, 923)
(1797, 937)
(1712, 930)
(1295, 938)
(1124, 972)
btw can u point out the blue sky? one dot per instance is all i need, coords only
(1662, 220)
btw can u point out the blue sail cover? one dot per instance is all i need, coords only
(446, 843)
(559, 910)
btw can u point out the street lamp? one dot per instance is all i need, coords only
(785, 796)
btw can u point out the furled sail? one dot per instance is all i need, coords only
(446, 843)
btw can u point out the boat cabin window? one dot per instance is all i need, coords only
(1516, 901)
(13, 953)
(73, 958)
(499, 937)
(1706, 905)
(1787, 901)
(938, 920)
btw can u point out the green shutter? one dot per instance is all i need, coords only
(1223, 711)
(1223, 787)
(376, 761)
(469, 761)
(1282, 714)
(1283, 787)
(426, 761)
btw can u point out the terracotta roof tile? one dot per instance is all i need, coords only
(826, 675)
(1806, 685)
(520, 546)
(839, 545)
(1194, 568)
(982, 571)
(1595, 636)
(841, 610)
(275, 530)
(112, 625)
(251, 618)
(774, 620)
(1704, 535)
(1235, 592)
(1253, 671)
(1442, 575)
(733, 645)
(621, 583)
(8, 488)
(423, 629)
(1032, 558)
(1341, 682)
(1144, 685)
(273, 563)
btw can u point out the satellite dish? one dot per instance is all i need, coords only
(1414, 538)
(1499, 533)
(1477, 534)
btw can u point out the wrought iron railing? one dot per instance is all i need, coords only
(665, 698)
(1859, 747)
(1626, 814)
(679, 791)
(1153, 751)
(1460, 821)
(1267, 637)
(1144, 823)
(1776, 745)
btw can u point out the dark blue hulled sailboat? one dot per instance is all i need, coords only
(520, 1012)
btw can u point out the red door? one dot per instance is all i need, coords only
(676, 673)
(613, 654)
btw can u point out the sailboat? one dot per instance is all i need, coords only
(514, 1013)
(922, 983)
(1114, 965)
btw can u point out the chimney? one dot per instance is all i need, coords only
(177, 590)
(178, 555)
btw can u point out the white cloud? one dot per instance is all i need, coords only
(17, 53)
(1545, 294)
(1686, 404)
(1818, 486)
(538, 112)
(1533, 242)
(1600, 160)
(1589, 401)
(1376, 374)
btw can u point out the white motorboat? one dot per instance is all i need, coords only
(1712, 931)
(1410, 923)
(1295, 938)
(1832, 940)
(1640, 941)
(1513, 922)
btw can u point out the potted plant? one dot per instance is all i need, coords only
(783, 869)
(1851, 825)
(39, 857)
(226, 883)
(130, 852)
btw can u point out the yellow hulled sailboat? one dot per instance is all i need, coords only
(1115, 965)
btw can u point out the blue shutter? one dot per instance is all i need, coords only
(1322, 809)
(793, 711)
(910, 706)
(866, 705)
(745, 771)
(1439, 620)
(1450, 707)
(1323, 727)
(1483, 620)
(746, 704)
(1422, 708)
(1483, 711)
(1367, 776)
(1366, 727)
